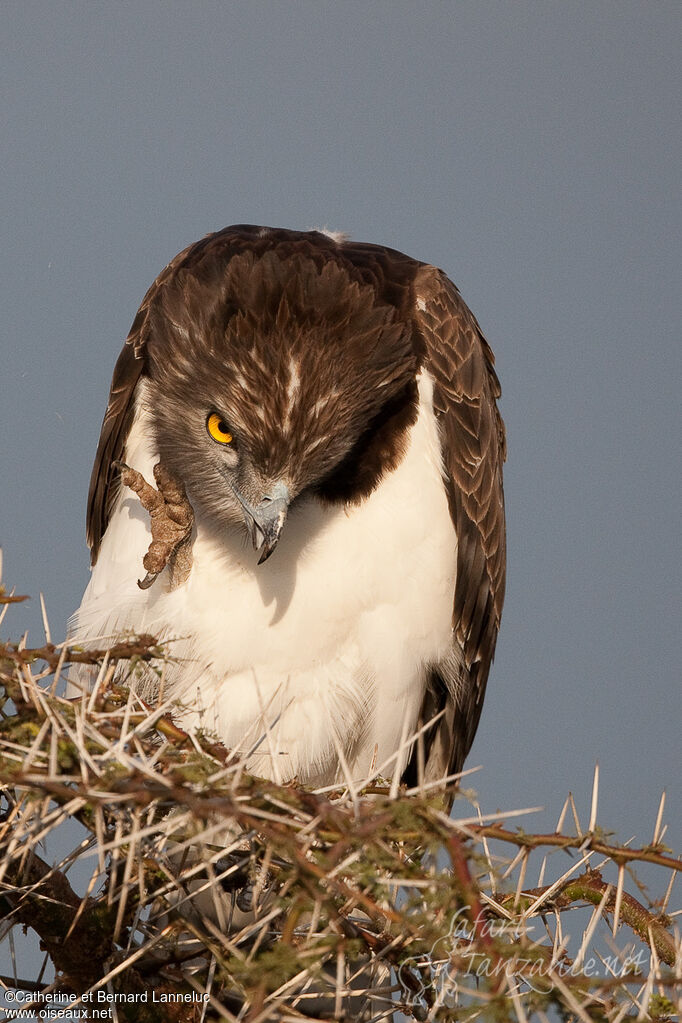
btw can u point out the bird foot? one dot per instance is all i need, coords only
(172, 518)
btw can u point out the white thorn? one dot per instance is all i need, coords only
(46, 626)
(619, 898)
(595, 799)
(659, 819)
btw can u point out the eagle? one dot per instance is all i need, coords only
(303, 449)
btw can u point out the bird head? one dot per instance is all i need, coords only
(275, 375)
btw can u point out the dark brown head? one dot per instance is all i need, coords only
(273, 373)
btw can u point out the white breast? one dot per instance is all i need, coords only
(322, 648)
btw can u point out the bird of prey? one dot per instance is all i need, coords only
(302, 447)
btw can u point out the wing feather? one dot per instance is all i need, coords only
(130, 366)
(466, 387)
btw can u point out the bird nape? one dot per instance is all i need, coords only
(324, 544)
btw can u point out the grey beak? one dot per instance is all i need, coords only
(265, 520)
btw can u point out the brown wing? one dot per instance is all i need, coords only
(460, 361)
(118, 416)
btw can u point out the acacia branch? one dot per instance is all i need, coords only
(49, 905)
(335, 874)
(143, 647)
(618, 853)
(590, 887)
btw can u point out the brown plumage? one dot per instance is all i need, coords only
(359, 322)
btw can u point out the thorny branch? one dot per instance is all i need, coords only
(302, 890)
(619, 854)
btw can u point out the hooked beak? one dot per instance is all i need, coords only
(265, 520)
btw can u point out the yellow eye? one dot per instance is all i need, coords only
(217, 428)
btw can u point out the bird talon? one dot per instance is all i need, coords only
(172, 518)
(145, 583)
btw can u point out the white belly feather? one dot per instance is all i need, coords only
(325, 645)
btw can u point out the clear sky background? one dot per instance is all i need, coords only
(532, 150)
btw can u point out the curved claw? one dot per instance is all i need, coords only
(145, 583)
